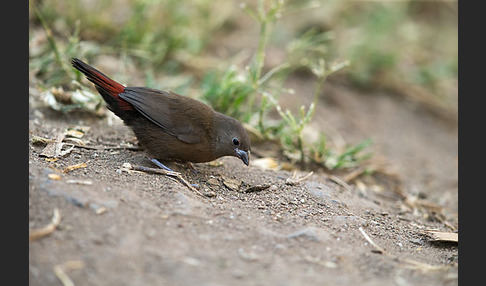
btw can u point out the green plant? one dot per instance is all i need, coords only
(51, 61)
(51, 64)
(351, 156)
(228, 92)
(250, 94)
(155, 34)
(234, 91)
(168, 37)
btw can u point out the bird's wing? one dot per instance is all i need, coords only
(180, 116)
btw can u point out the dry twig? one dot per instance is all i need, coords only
(379, 248)
(340, 182)
(38, 233)
(60, 271)
(354, 174)
(422, 266)
(74, 167)
(292, 181)
(78, 144)
(442, 236)
(178, 176)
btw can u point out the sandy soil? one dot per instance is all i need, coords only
(121, 227)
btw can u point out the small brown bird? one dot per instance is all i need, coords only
(169, 126)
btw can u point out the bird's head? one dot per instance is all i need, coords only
(231, 138)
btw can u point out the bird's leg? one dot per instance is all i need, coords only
(160, 165)
(194, 170)
(191, 167)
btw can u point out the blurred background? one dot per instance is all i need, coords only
(265, 62)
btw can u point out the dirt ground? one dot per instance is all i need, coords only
(120, 227)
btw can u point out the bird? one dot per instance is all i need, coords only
(169, 126)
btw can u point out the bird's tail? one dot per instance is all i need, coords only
(108, 88)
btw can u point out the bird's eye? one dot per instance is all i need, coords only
(236, 142)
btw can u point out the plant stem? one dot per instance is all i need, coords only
(301, 147)
(318, 89)
(260, 56)
(259, 59)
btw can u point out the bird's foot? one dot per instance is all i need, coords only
(192, 168)
(193, 187)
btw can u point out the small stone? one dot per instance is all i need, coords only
(213, 181)
(232, 184)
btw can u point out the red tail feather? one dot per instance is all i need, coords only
(102, 82)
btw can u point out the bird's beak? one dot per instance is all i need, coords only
(244, 156)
